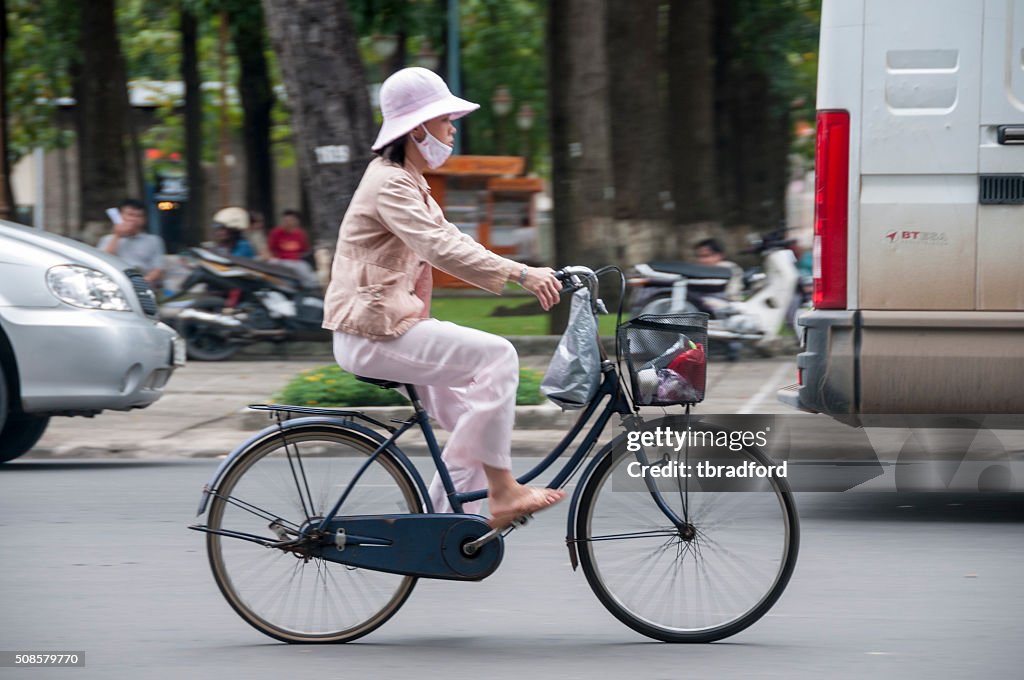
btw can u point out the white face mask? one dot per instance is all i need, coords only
(434, 151)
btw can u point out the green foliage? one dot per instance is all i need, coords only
(40, 49)
(483, 313)
(528, 393)
(150, 41)
(331, 386)
(503, 44)
(780, 39)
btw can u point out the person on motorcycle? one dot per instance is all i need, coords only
(710, 252)
(378, 301)
(229, 225)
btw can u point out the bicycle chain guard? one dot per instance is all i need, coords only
(426, 545)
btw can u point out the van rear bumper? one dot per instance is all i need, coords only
(858, 362)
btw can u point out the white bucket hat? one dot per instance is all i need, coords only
(413, 96)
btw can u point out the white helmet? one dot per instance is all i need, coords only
(232, 218)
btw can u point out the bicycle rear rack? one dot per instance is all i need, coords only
(339, 413)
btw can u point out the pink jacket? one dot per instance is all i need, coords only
(392, 232)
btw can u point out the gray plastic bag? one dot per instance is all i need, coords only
(574, 373)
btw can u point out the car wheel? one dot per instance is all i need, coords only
(3, 398)
(20, 433)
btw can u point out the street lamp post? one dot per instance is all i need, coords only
(426, 57)
(501, 104)
(524, 121)
(384, 45)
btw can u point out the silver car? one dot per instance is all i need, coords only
(79, 334)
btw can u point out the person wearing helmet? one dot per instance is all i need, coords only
(378, 301)
(229, 225)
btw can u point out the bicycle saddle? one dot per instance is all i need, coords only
(387, 384)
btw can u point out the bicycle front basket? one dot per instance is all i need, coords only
(667, 357)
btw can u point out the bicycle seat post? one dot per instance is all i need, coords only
(417, 405)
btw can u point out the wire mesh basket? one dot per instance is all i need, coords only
(667, 357)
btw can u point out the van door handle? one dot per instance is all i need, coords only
(1011, 134)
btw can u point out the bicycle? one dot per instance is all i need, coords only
(304, 557)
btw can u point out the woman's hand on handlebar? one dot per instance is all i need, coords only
(541, 282)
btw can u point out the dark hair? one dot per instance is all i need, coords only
(712, 244)
(132, 203)
(395, 151)
(294, 213)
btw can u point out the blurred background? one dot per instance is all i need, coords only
(609, 132)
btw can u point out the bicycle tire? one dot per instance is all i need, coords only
(262, 476)
(604, 512)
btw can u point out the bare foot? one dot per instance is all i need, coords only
(518, 501)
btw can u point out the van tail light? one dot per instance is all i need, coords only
(831, 193)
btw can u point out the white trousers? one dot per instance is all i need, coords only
(466, 380)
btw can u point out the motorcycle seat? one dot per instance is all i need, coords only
(692, 271)
(249, 263)
(267, 268)
(387, 384)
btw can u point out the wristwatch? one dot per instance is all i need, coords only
(522, 275)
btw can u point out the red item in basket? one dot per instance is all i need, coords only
(691, 365)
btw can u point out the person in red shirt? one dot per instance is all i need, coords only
(288, 240)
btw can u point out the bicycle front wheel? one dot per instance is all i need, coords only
(276, 489)
(702, 580)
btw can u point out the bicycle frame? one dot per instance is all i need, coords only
(616, 403)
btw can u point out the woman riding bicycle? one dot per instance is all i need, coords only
(378, 302)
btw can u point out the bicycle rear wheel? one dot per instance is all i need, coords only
(279, 486)
(699, 583)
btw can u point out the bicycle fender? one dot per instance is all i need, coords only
(271, 430)
(581, 485)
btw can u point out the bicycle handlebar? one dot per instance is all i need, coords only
(572, 278)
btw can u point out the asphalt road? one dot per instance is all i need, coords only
(97, 558)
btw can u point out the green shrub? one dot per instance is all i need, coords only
(331, 386)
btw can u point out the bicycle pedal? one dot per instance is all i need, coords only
(521, 521)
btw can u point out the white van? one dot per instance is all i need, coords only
(919, 219)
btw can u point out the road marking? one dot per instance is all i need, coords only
(770, 386)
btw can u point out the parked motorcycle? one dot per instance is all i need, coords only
(243, 301)
(755, 321)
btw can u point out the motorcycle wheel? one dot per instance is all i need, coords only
(204, 342)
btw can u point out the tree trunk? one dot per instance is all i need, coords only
(640, 166)
(582, 178)
(193, 231)
(691, 84)
(315, 41)
(752, 140)
(136, 182)
(247, 29)
(99, 90)
(755, 151)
